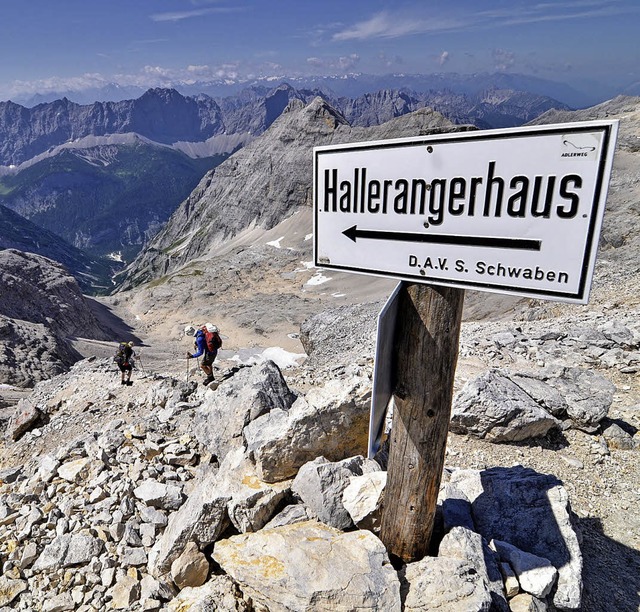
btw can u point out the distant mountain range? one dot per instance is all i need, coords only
(202, 126)
(352, 86)
(105, 177)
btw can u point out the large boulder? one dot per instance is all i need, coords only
(495, 408)
(311, 566)
(330, 421)
(320, 484)
(251, 393)
(530, 511)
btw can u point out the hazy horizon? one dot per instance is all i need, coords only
(78, 45)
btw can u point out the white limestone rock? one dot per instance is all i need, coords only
(311, 566)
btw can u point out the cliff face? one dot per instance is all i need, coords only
(41, 310)
(16, 232)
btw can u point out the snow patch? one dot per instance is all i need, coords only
(318, 279)
(308, 237)
(276, 243)
(283, 359)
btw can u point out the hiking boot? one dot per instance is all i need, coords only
(207, 380)
(123, 382)
(129, 382)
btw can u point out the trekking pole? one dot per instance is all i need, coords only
(187, 369)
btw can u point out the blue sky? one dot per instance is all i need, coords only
(71, 44)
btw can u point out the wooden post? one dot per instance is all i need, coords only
(425, 356)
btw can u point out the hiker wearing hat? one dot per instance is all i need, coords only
(124, 359)
(207, 342)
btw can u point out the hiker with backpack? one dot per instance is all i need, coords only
(207, 342)
(124, 359)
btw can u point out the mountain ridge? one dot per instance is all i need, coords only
(351, 85)
(167, 117)
(264, 183)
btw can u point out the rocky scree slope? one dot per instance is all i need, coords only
(167, 495)
(41, 310)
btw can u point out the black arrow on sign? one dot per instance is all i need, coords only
(524, 244)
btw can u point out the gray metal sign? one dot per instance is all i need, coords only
(382, 371)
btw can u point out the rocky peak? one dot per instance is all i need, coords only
(263, 184)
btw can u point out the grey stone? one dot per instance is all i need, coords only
(67, 550)
(24, 417)
(311, 566)
(461, 543)
(132, 556)
(331, 421)
(588, 394)
(444, 584)
(159, 495)
(201, 519)
(535, 574)
(59, 603)
(320, 484)
(530, 511)
(616, 437)
(362, 498)
(218, 594)
(494, 408)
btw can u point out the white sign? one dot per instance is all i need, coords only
(511, 211)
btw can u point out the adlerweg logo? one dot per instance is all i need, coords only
(580, 146)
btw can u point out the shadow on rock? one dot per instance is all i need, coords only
(605, 589)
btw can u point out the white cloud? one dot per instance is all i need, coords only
(502, 60)
(343, 62)
(388, 25)
(397, 25)
(347, 62)
(180, 15)
(389, 62)
(444, 58)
